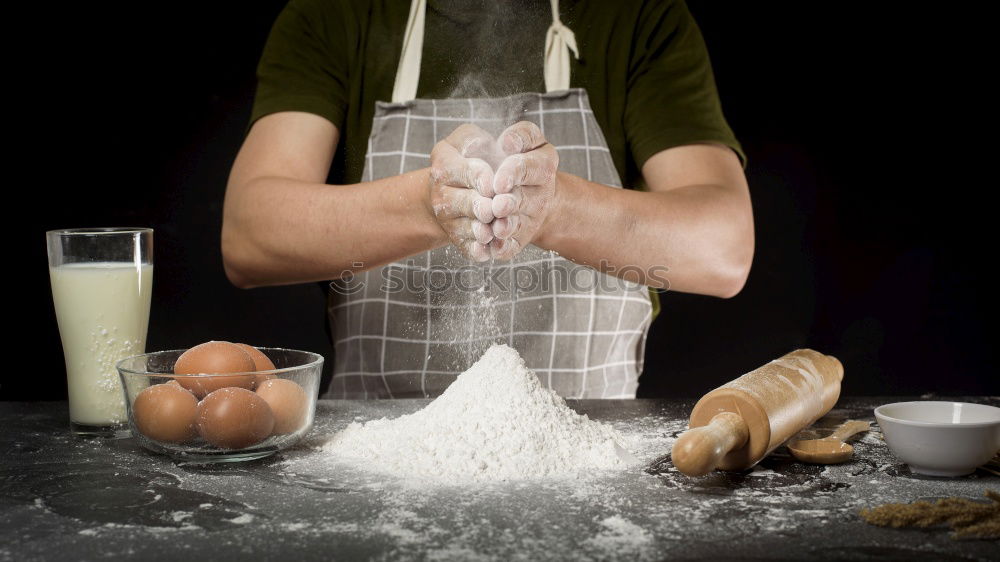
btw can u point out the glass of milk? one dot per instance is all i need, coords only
(101, 284)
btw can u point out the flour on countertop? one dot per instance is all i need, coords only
(303, 497)
(619, 536)
(495, 422)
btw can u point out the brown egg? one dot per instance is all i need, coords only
(234, 418)
(165, 412)
(210, 358)
(288, 401)
(260, 361)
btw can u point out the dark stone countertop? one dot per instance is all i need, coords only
(64, 498)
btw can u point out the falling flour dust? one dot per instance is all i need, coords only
(495, 422)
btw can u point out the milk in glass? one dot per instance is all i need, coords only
(103, 312)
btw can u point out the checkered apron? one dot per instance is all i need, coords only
(409, 328)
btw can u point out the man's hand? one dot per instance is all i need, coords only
(524, 187)
(461, 187)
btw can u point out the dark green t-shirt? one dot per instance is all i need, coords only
(643, 64)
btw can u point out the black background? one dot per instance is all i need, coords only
(873, 234)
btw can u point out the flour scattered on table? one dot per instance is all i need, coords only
(620, 536)
(495, 422)
(179, 516)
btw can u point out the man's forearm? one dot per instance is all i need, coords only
(701, 234)
(280, 231)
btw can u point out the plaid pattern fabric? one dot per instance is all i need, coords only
(409, 328)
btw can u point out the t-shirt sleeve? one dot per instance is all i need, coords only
(303, 66)
(672, 98)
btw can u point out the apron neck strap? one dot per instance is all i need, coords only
(408, 71)
(559, 41)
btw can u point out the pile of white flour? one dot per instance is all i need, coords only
(495, 422)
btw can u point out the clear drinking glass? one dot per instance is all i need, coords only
(102, 279)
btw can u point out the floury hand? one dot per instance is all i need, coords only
(524, 187)
(487, 214)
(462, 188)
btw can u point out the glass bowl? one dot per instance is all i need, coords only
(140, 372)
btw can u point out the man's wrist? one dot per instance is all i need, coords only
(554, 226)
(424, 183)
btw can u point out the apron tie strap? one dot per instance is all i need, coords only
(559, 41)
(408, 71)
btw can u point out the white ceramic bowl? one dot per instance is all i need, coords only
(941, 438)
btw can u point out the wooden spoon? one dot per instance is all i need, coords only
(830, 449)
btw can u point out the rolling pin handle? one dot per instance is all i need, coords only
(699, 450)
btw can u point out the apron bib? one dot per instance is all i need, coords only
(407, 329)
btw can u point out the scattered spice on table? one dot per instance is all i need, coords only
(969, 519)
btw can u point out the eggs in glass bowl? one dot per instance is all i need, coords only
(220, 401)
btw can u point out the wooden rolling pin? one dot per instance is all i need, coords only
(741, 422)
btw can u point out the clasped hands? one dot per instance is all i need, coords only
(492, 196)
